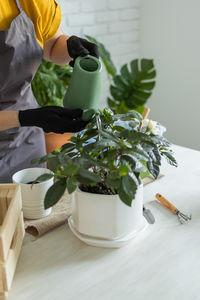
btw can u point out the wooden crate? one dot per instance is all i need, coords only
(11, 233)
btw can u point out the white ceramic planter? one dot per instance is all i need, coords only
(33, 195)
(106, 216)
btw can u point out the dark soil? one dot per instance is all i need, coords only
(100, 188)
(31, 182)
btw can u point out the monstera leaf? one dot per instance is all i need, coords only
(105, 56)
(132, 88)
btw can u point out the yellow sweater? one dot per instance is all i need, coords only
(45, 15)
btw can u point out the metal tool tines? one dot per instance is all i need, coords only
(181, 216)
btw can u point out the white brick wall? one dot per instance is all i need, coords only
(115, 23)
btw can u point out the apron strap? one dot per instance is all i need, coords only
(18, 5)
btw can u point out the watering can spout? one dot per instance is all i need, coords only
(84, 89)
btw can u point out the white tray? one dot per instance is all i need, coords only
(106, 243)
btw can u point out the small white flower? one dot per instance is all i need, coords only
(156, 128)
(152, 125)
(155, 131)
(145, 122)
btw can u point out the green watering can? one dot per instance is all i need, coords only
(84, 89)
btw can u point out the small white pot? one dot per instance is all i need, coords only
(33, 194)
(106, 216)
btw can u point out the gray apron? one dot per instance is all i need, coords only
(20, 57)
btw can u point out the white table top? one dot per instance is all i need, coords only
(163, 263)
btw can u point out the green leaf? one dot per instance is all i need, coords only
(71, 184)
(140, 168)
(160, 140)
(109, 136)
(103, 143)
(88, 134)
(171, 160)
(54, 193)
(89, 175)
(134, 136)
(111, 154)
(114, 174)
(71, 154)
(132, 88)
(147, 146)
(67, 147)
(116, 93)
(125, 74)
(54, 163)
(44, 177)
(74, 139)
(140, 109)
(123, 170)
(62, 158)
(128, 115)
(85, 162)
(42, 159)
(124, 197)
(144, 174)
(156, 157)
(70, 169)
(125, 145)
(147, 64)
(139, 153)
(129, 159)
(120, 82)
(108, 114)
(83, 180)
(148, 85)
(89, 147)
(153, 169)
(113, 183)
(150, 75)
(129, 186)
(134, 69)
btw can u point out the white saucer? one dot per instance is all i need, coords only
(106, 243)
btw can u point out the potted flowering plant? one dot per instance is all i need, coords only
(101, 166)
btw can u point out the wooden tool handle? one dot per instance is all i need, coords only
(146, 113)
(166, 203)
(144, 116)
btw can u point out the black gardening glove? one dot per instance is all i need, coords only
(53, 119)
(80, 47)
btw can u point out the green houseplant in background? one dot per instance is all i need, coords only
(107, 159)
(50, 83)
(132, 87)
